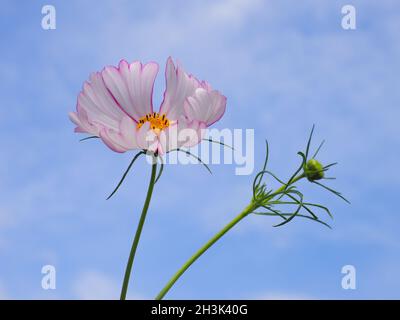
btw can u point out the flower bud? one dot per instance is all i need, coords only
(313, 170)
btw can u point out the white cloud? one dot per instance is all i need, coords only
(6, 219)
(230, 12)
(95, 285)
(3, 292)
(283, 296)
(381, 233)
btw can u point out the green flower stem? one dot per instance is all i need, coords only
(139, 231)
(202, 250)
(250, 208)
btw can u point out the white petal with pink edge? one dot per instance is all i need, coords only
(205, 106)
(146, 138)
(131, 86)
(111, 139)
(179, 86)
(96, 107)
(123, 139)
(182, 134)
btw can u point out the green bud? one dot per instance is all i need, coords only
(313, 170)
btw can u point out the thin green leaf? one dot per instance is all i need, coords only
(272, 175)
(293, 215)
(160, 172)
(338, 194)
(260, 175)
(304, 160)
(256, 186)
(309, 141)
(305, 207)
(330, 165)
(289, 214)
(88, 138)
(219, 142)
(196, 157)
(304, 203)
(318, 149)
(279, 193)
(274, 211)
(125, 173)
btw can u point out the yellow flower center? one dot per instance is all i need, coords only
(157, 122)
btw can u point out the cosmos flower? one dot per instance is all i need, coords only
(116, 106)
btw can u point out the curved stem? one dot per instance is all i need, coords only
(203, 249)
(250, 208)
(138, 231)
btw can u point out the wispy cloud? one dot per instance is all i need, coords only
(3, 292)
(283, 67)
(283, 296)
(95, 285)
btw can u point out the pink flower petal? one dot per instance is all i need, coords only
(96, 108)
(179, 86)
(109, 138)
(192, 134)
(146, 138)
(122, 140)
(80, 119)
(127, 131)
(182, 134)
(131, 86)
(205, 106)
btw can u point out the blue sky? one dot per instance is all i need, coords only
(283, 65)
